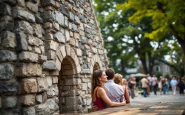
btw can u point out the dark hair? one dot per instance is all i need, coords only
(95, 81)
(110, 73)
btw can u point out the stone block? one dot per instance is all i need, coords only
(28, 70)
(37, 30)
(39, 98)
(6, 26)
(27, 100)
(72, 42)
(22, 44)
(73, 81)
(47, 3)
(49, 36)
(9, 102)
(55, 80)
(42, 84)
(50, 44)
(29, 111)
(9, 40)
(49, 81)
(66, 23)
(59, 55)
(28, 57)
(6, 55)
(32, 7)
(34, 41)
(28, 86)
(56, 26)
(64, 10)
(25, 27)
(42, 58)
(8, 87)
(21, 3)
(51, 55)
(6, 71)
(59, 18)
(63, 51)
(67, 35)
(49, 65)
(84, 86)
(51, 105)
(68, 50)
(59, 37)
(58, 64)
(5, 9)
(20, 13)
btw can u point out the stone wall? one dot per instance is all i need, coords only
(48, 51)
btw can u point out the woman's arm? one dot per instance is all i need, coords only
(103, 95)
(127, 96)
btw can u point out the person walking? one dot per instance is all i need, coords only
(173, 84)
(145, 85)
(154, 84)
(98, 93)
(131, 85)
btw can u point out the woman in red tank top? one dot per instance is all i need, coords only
(98, 94)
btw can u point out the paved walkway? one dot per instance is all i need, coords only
(152, 105)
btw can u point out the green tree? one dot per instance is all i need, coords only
(127, 39)
(167, 17)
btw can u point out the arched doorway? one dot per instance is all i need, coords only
(68, 98)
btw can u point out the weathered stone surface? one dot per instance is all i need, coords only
(37, 29)
(34, 41)
(50, 55)
(67, 35)
(9, 39)
(52, 91)
(32, 7)
(48, 2)
(22, 44)
(18, 12)
(42, 84)
(51, 105)
(29, 111)
(6, 71)
(59, 18)
(28, 57)
(28, 86)
(25, 27)
(72, 81)
(8, 87)
(6, 55)
(9, 102)
(21, 3)
(39, 98)
(27, 100)
(49, 65)
(28, 69)
(49, 81)
(59, 36)
(5, 9)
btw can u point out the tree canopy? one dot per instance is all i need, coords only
(167, 17)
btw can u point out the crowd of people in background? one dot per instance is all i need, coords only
(111, 90)
(163, 84)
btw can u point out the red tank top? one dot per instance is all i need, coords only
(99, 104)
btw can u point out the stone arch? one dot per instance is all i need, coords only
(95, 63)
(69, 67)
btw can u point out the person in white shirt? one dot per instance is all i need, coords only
(173, 84)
